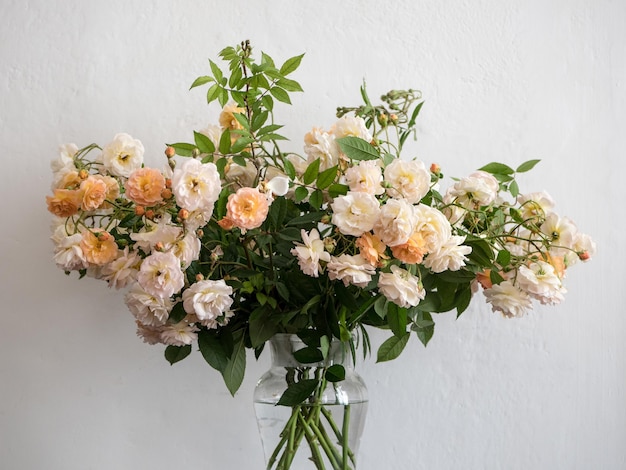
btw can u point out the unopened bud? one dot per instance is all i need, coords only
(166, 193)
(435, 169)
(103, 236)
(150, 214)
(172, 163)
(195, 153)
(330, 244)
(168, 182)
(140, 210)
(170, 152)
(183, 214)
(83, 174)
(199, 277)
(383, 119)
(325, 219)
(584, 256)
(393, 118)
(200, 233)
(159, 246)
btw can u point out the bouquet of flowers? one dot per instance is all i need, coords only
(236, 240)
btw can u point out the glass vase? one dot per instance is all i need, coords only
(324, 430)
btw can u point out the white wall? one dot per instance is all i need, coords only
(503, 80)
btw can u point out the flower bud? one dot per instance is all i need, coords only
(199, 277)
(150, 214)
(83, 174)
(200, 233)
(140, 210)
(166, 193)
(326, 219)
(183, 214)
(168, 182)
(393, 118)
(172, 163)
(435, 169)
(159, 246)
(383, 119)
(170, 152)
(584, 256)
(195, 153)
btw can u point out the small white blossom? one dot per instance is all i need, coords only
(401, 287)
(123, 270)
(160, 274)
(478, 189)
(310, 253)
(396, 222)
(449, 257)
(196, 185)
(508, 299)
(180, 334)
(355, 213)
(349, 269)
(366, 177)
(541, 282)
(208, 300)
(123, 155)
(407, 179)
(148, 309)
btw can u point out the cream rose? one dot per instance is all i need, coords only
(396, 222)
(401, 287)
(366, 177)
(196, 185)
(208, 300)
(355, 213)
(123, 155)
(408, 180)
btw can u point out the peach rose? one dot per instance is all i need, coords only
(98, 247)
(484, 279)
(228, 121)
(94, 192)
(247, 208)
(144, 186)
(372, 248)
(411, 252)
(64, 202)
(70, 180)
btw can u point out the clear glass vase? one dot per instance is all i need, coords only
(322, 432)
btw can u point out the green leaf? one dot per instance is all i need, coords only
(289, 85)
(235, 79)
(424, 328)
(301, 193)
(392, 348)
(308, 355)
(212, 350)
(316, 199)
(335, 373)
(357, 149)
(397, 319)
(503, 258)
(291, 64)
(204, 144)
(201, 81)
(235, 368)
(514, 188)
(178, 313)
(224, 144)
(496, 168)
(217, 73)
(261, 327)
(326, 177)
(337, 189)
(213, 93)
(183, 149)
(312, 171)
(290, 170)
(526, 166)
(298, 392)
(174, 354)
(280, 94)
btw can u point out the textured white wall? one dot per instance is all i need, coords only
(503, 80)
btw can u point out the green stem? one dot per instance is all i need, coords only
(344, 442)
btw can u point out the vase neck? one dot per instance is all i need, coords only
(284, 345)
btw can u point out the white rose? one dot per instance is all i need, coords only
(160, 274)
(355, 213)
(241, 176)
(366, 177)
(148, 309)
(354, 270)
(535, 205)
(123, 270)
(320, 145)
(478, 189)
(433, 227)
(541, 282)
(449, 257)
(310, 253)
(208, 300)
(68, 255)
(409, 180)
(180, 334)
(349, 125)
(196, 185)
(187, 249)
(508, 299)
(401, 287)
(396, 222)
(123, 155)
(160, 232)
